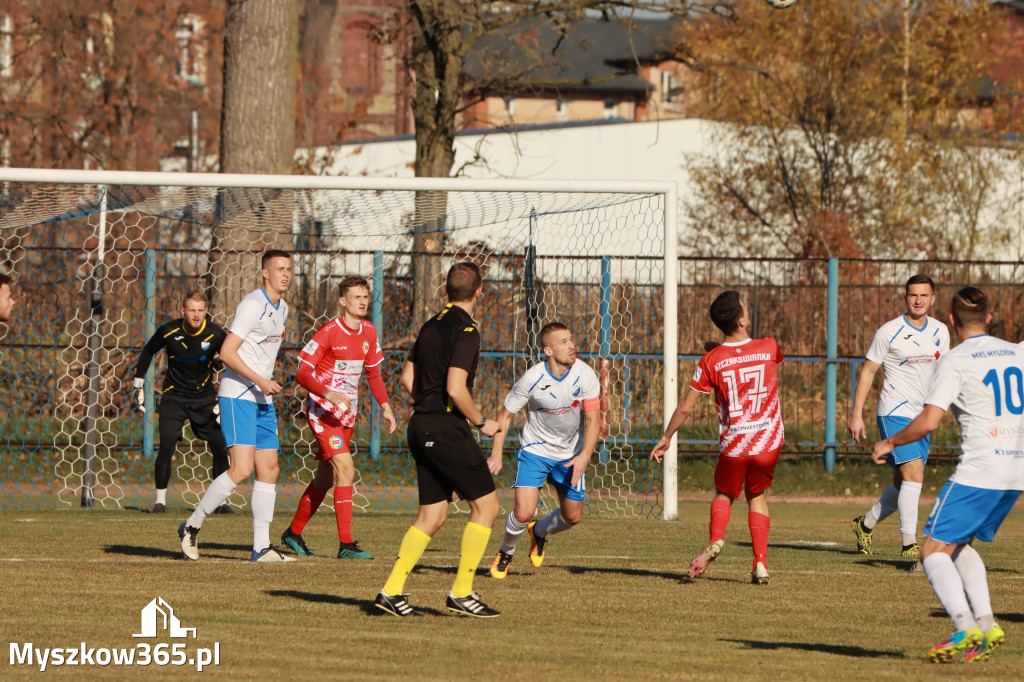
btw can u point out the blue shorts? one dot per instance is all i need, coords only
(246, 422)
(888, 426)
(962, 513)
(533, 470)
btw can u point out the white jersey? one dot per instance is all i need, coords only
(553, 425)
(260, 324)
(983, 378)
(908, 355)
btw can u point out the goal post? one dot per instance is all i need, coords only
(102, 258)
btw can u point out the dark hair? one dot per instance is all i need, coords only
(462, 282)
(919, 279)
(195, 295)
(273, 253)
(726, 311)
(352, 282)
(548, 328)
(970, 305)
(5, 279)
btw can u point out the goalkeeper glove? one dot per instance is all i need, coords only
(139, 394)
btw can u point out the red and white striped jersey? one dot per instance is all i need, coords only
(338, 355)
(745, 381)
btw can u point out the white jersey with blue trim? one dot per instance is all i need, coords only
(908, 355)
(983, 379)
(261, 325)
(553, 425)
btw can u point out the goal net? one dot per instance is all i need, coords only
(101, 259)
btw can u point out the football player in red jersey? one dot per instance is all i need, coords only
(330, 366)
(741, 372)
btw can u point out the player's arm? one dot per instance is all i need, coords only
(408, 376)
(229, 354)
(679, 415)
(591, 434)
(380, 394)
(307, 379)
(918, 428)
(504, 420)
(855, 426)
(145, 359)
(457, 385)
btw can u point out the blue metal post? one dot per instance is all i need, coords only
(830, 367)
(147, 419)
(606, 327)
(378, 320)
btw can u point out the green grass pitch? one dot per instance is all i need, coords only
(611, 602)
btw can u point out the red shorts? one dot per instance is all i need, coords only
(754, 472)
(331, 436)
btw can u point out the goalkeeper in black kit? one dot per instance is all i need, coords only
(191, 343)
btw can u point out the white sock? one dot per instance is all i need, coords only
(972, 572)
(262, 502)
(910, 493)
(949, 588)
(219, 491)
(887, 504)
(161, 496)
(551, 524)
(513, 529)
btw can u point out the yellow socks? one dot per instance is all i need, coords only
(413, 545)
(474, 544)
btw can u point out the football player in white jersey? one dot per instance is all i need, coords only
(983, 378)
(908, 349)
(554, 444)
(247, 415)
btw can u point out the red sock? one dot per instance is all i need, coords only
(308, 504)
(343, 511)
(720, 510)
(759, 525)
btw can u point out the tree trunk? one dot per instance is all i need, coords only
(261, 48)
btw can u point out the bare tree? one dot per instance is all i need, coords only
(849, 129)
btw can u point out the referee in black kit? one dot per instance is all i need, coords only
(439, 374)
(191, 343)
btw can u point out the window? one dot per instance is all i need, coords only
(360, 58)
(191, 53)
(510, 106)
(610, 109)
(561, 109)
(669, 89)
(6, 46)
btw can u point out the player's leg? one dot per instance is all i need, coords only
(957, 514)
(864, 525)
(344, 471)
(470, 477)
(206, 425)
(328, 443)
(435, 494)
(264, 488)
(568, 514)
(759, 477)
(729, 475)
(972, 571)
(515, 525)
(530, 475)
(910, 460)
(170, 424)
(239, 425)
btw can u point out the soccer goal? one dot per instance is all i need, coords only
(100, 259)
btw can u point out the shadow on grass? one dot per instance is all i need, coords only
(1000, 617)
(161, 553)
(901, 564)
(365, 605)
(807, 547)
(633, 572)
(837, 649)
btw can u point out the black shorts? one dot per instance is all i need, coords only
(448, 459)
(175, 409)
